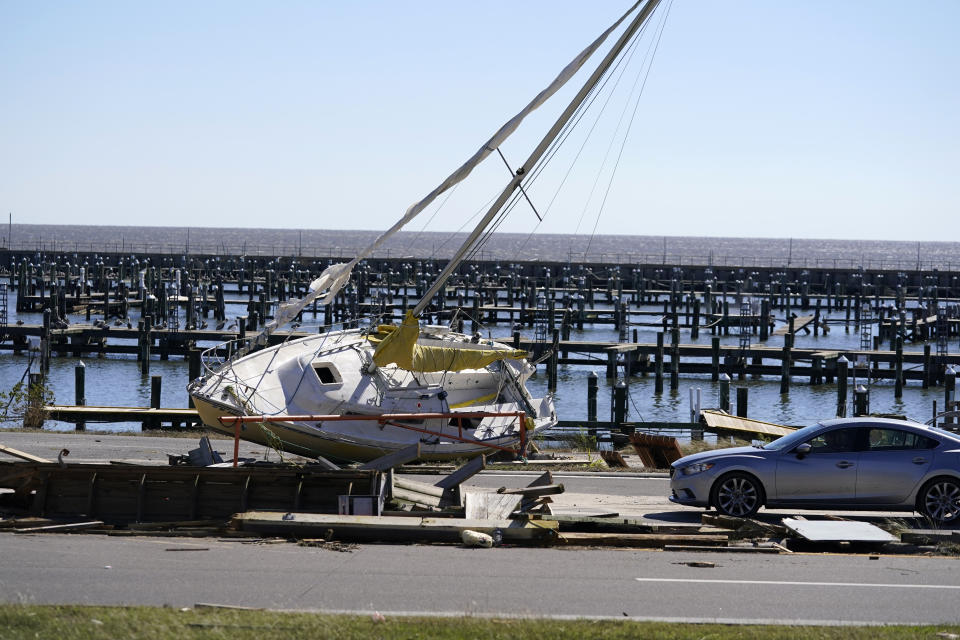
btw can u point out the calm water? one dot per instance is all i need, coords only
(116, 381)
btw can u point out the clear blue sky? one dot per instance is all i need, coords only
(759, 118)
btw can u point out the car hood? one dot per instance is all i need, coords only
(704, 456)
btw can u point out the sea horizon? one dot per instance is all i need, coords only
(680, 249)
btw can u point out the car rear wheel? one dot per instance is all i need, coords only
(940, 500)
(737, 494)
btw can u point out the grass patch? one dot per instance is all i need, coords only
(82, 623)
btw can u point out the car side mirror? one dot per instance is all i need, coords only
(802, 450)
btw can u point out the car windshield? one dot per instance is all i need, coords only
(792, 439)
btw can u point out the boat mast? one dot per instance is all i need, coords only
(537, 153)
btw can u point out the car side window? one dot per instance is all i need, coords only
(897, 440)
(835, 441)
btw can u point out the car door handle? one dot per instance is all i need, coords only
(919, 460)
(843, 464)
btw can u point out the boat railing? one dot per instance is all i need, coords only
(213, 358)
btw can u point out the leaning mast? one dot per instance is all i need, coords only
(538, 152)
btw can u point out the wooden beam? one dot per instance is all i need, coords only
(16, 453)
(543, 490)
(464, 473)
(62, 528)
(407, 454)
(390, 527)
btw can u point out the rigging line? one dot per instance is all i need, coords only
(622, 61)
(485, 238)
(466, 222)
(582, 110)
(626, 57)
(426, 224)
(568, 128)
(626, 135)
(596, 181)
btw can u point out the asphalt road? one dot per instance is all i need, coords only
(446, 579)
(451, 580)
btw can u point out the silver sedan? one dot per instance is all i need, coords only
(852, 463)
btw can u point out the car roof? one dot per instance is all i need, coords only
(869, 420)
(893, 423)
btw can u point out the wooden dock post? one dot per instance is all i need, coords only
(554, 361)
(620, 402)
(45, 342)
(949, 392)
(816, 370)
(592, 386)
(725, 392)
(898, 369)
(146, 341)
(695, 325)
(842, 368)
(658, 366)
(764, 319)
(927, 366)
(742, 393)
(785, 364)
(675, 360)
(156, 383)
(861, 400)
(79, 391)
(715, 358)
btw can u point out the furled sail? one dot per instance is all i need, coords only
(400, 347)
(336, 276)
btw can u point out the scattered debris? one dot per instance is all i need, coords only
(642, 540)
(656, 452)
(837, 531)
(472, 538)
(614, 459)
(62, 528)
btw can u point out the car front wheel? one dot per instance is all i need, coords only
(737, 494)
(940, 500)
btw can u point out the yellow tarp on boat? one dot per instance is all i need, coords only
(400, 347)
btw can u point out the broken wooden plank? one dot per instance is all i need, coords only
(722, 549)
(16, 453)
(614, 459)
(541, 490)
(928, 536)
(62, 528)
(390, 528)
(639, 540)
(546, 478)
(464, 473)
(722, 422)
(485, 504)
(325, 464)
(403, 456)
(742, 525)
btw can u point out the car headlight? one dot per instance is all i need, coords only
(698, 467)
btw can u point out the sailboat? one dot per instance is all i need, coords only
(358, 394)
